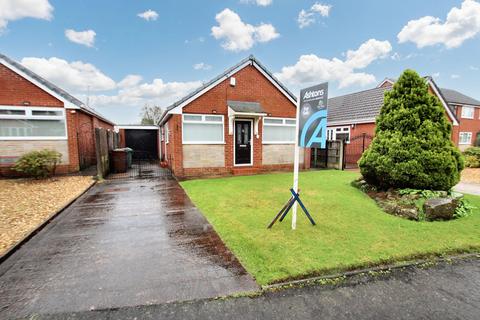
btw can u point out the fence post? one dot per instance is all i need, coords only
(98, 153)
(342, 155)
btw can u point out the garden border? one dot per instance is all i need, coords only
(42, 225)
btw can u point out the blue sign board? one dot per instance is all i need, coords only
(313, 116)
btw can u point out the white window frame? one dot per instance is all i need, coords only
(464, 116)
(167, 133)
(203, 121)
(29, 116)
(332, 133)
(469, 140)
(283, 124)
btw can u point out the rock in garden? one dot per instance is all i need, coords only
(440, 208)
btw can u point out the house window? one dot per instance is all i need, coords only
(468, 112)
(465, 138)
(339, 133)
(203, 129)
(32, 123)
(279, 130)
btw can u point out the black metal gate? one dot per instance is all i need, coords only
(354, 149)
(143, 142)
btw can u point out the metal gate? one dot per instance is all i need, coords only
(329, 157)
(354, 149)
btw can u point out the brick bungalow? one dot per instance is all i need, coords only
(352, 116)
(36, 114)
(241, 122)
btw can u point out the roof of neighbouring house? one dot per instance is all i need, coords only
(364, 106)
(453, 97)
(246, 107)
(252, 61)
(62, 94)
(357, 106)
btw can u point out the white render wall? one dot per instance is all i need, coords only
(203, 156)
(279, 154)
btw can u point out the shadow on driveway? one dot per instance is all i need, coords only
(123, 243)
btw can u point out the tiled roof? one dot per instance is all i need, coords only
(65, 95)
(453, 96)
(356, 106)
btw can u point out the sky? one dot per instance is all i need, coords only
(118, 56)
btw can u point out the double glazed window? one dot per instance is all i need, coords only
(468, 112)
(465, 138)
(203, 129)
(278, 130)
(23, 123)
(339, 133)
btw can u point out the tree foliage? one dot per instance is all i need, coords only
(151, 115)
(412, 147)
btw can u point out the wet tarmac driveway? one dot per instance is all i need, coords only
(124, 243)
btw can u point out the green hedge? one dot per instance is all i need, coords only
(38, 164)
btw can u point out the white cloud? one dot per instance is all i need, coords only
(130, 81)
(72, 76)
(474, 68)
(239, 36)
(311, 68)
(157, 92)
(436, 75)
(86, 38)
(461, 24)
(202, 66)
(262, 3)
(308, 17)
(11, 10)
(148, 15)
(455, 76)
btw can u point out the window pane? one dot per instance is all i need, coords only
(467, 112)
(343, 136)
(202, 132)
(213, 118)
(32, 128)
(46, 113)
(192, 118)
(13, 112)
(273, 121)
(287, 121)
(278, 134)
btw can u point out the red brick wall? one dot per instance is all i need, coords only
(251, 86)
(466, 125)
(15, 90)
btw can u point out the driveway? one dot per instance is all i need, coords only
(124, 243)
(468, 187)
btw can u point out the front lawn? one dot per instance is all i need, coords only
(351, 230)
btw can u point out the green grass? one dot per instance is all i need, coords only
(351, 230)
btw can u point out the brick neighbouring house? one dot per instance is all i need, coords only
(353, 115)
(36, 114)
(241, 122)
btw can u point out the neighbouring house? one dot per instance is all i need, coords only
(351, 117)
(36, 114)
(143, 139)
(241, 122)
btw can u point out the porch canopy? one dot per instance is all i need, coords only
(239, 109)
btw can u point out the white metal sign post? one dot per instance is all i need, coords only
(296, 167)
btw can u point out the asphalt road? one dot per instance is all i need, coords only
(444, 291)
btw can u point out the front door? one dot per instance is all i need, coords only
(243, 142)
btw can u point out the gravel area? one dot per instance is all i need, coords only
(471, 175)
(25, 204)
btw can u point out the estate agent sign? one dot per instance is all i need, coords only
(313, 117)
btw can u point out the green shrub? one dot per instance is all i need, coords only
(472, 157)
(412, 147)
(38, 164)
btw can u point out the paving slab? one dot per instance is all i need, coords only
(124, 243)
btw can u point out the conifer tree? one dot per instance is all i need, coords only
(412, 147)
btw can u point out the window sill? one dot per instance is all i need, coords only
(203, 143)
(32, 138)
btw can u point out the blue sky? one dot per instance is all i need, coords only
(123, 61)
